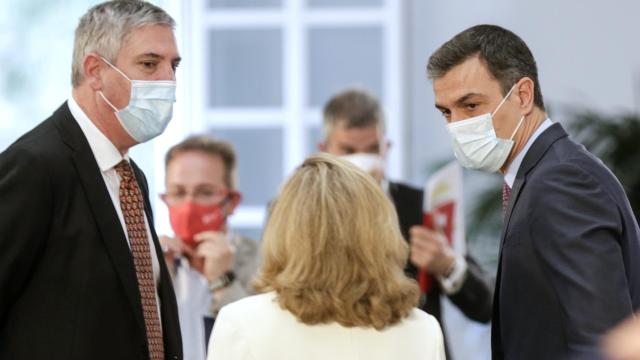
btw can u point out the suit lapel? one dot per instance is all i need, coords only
(531, 159)
(106, 218)
(537, 150)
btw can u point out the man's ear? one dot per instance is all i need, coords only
(92, 67)
(163, 197)
(234, 200)
(386, 148)
(526, 93)
(322, 146)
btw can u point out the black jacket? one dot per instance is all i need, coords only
(68, 288)
(475, 297)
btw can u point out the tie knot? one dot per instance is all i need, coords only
(124, 170)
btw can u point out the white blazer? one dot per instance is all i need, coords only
(257, 328)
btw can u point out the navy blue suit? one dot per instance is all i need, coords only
(569, 266)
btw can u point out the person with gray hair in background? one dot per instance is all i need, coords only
(82, 274)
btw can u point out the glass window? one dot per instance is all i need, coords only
(315, 137)
(344, 57)
(245, 68)
(259, 157)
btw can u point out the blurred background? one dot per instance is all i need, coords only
(257, 73)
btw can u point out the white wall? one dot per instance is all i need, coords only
(587, 54)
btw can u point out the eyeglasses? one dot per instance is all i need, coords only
(205, 196)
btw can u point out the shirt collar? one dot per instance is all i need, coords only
(106, 154)
(512, 171)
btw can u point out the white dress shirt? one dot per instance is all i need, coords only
(107, 156)
(512, 171)
(257, 328)
(196, 302)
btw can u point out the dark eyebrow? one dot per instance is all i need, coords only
(466, 97)
(441, 108)
(460, 102)
(150, 55)
(158, 57)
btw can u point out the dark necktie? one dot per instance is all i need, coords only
(506, 192)
(133, 211)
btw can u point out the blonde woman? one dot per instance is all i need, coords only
(331, 280)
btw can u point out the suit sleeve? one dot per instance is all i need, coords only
(25, 217)
(575, 228)
(227, 341)
(475, 297)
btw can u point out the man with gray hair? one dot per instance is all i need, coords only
(82, 274)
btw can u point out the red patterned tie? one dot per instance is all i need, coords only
(133, 211)
(506, 192)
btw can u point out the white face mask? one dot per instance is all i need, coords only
(475, 143)
(367, 162)
(150, 107)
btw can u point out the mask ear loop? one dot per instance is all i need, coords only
(115, 68)
(517, 128)
(107, 101)
(503, 100)
(227, 199)
(100, 91)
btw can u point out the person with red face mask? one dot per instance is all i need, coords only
(211, 265)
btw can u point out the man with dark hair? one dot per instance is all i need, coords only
(569, 264)
(354, 129)
(81, 270)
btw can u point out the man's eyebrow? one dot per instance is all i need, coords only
(158, 56)
(149, 55)
(460, 101)
(466, 97)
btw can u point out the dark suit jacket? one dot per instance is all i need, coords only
(569, 266)
(68, 288)
(475, 297)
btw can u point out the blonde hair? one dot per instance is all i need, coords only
(332, 249)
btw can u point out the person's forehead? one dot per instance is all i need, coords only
(470, 77)
(192, 163)
(150, 39)
(342, 130)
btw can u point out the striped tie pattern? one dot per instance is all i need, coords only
(133, 210)
(506, 192)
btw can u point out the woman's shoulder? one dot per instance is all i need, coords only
(421, 321)
(248, 306)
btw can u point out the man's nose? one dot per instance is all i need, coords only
(166, 72)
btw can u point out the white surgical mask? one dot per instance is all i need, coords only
(475, 143)
(367, 162)
(150, 107)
